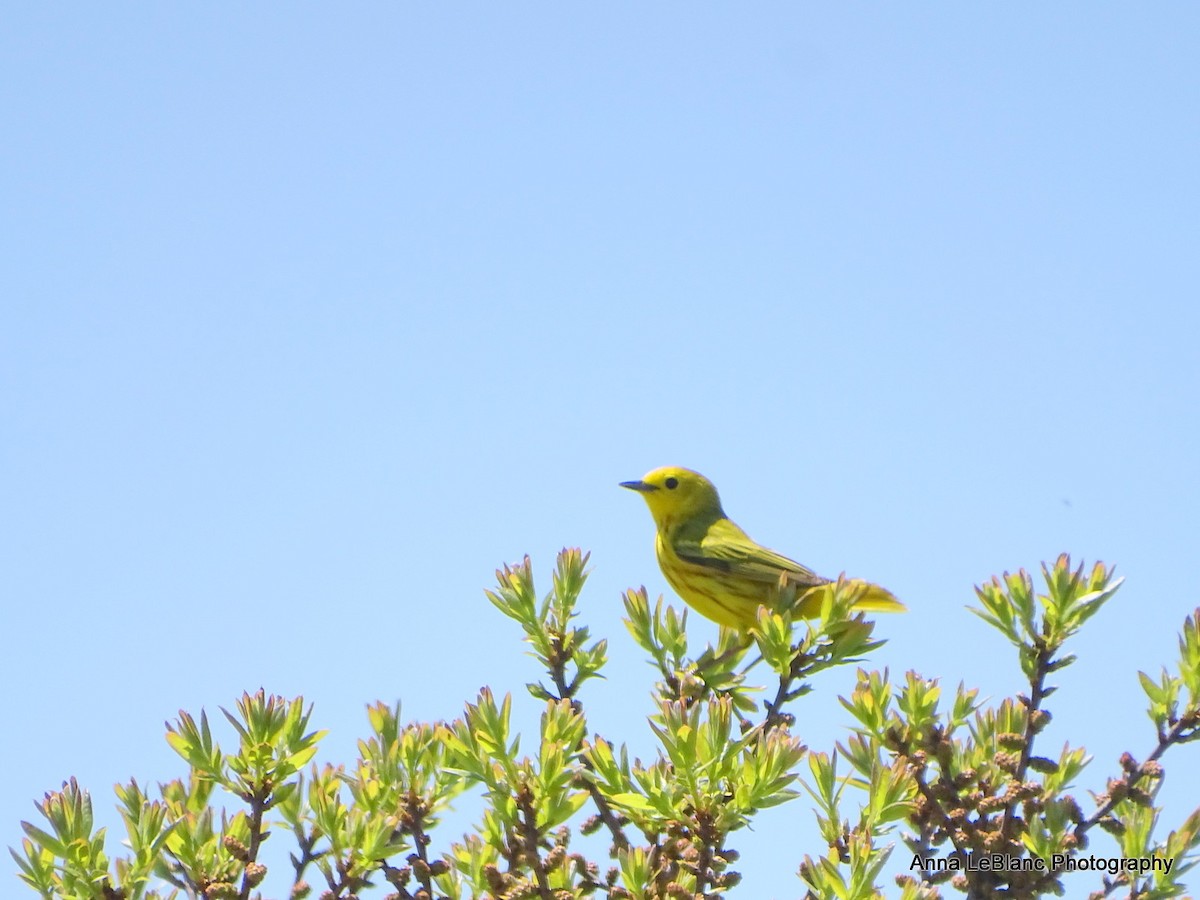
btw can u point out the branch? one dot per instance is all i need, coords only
(610, 819)
(252, 874)
(1178, 734)
(527, 826)
(775, 717)
(416, 813)
(305, 842)
(1033, 705)
(558, 674)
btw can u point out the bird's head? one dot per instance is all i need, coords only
(674, 493)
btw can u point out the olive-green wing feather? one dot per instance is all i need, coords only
(725, 547)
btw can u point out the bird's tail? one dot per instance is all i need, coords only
(877, 599)
(872, 598)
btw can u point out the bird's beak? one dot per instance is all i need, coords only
(639, 486)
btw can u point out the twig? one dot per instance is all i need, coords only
(305, 842)
(1176, 735)
(259, 801)
(1037, 693)
(530, 841)
(416, 812)
(566, 691)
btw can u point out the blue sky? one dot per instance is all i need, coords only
(315, 317)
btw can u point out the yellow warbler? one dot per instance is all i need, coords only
(716, 567)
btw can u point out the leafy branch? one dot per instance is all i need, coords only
(950, 777)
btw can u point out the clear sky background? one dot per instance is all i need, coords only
(313, 317)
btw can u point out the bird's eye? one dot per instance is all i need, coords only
(671, 483)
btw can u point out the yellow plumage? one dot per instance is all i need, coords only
(716, 568)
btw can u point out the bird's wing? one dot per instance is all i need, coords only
(725, 547)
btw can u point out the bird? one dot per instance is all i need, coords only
(715, 566)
